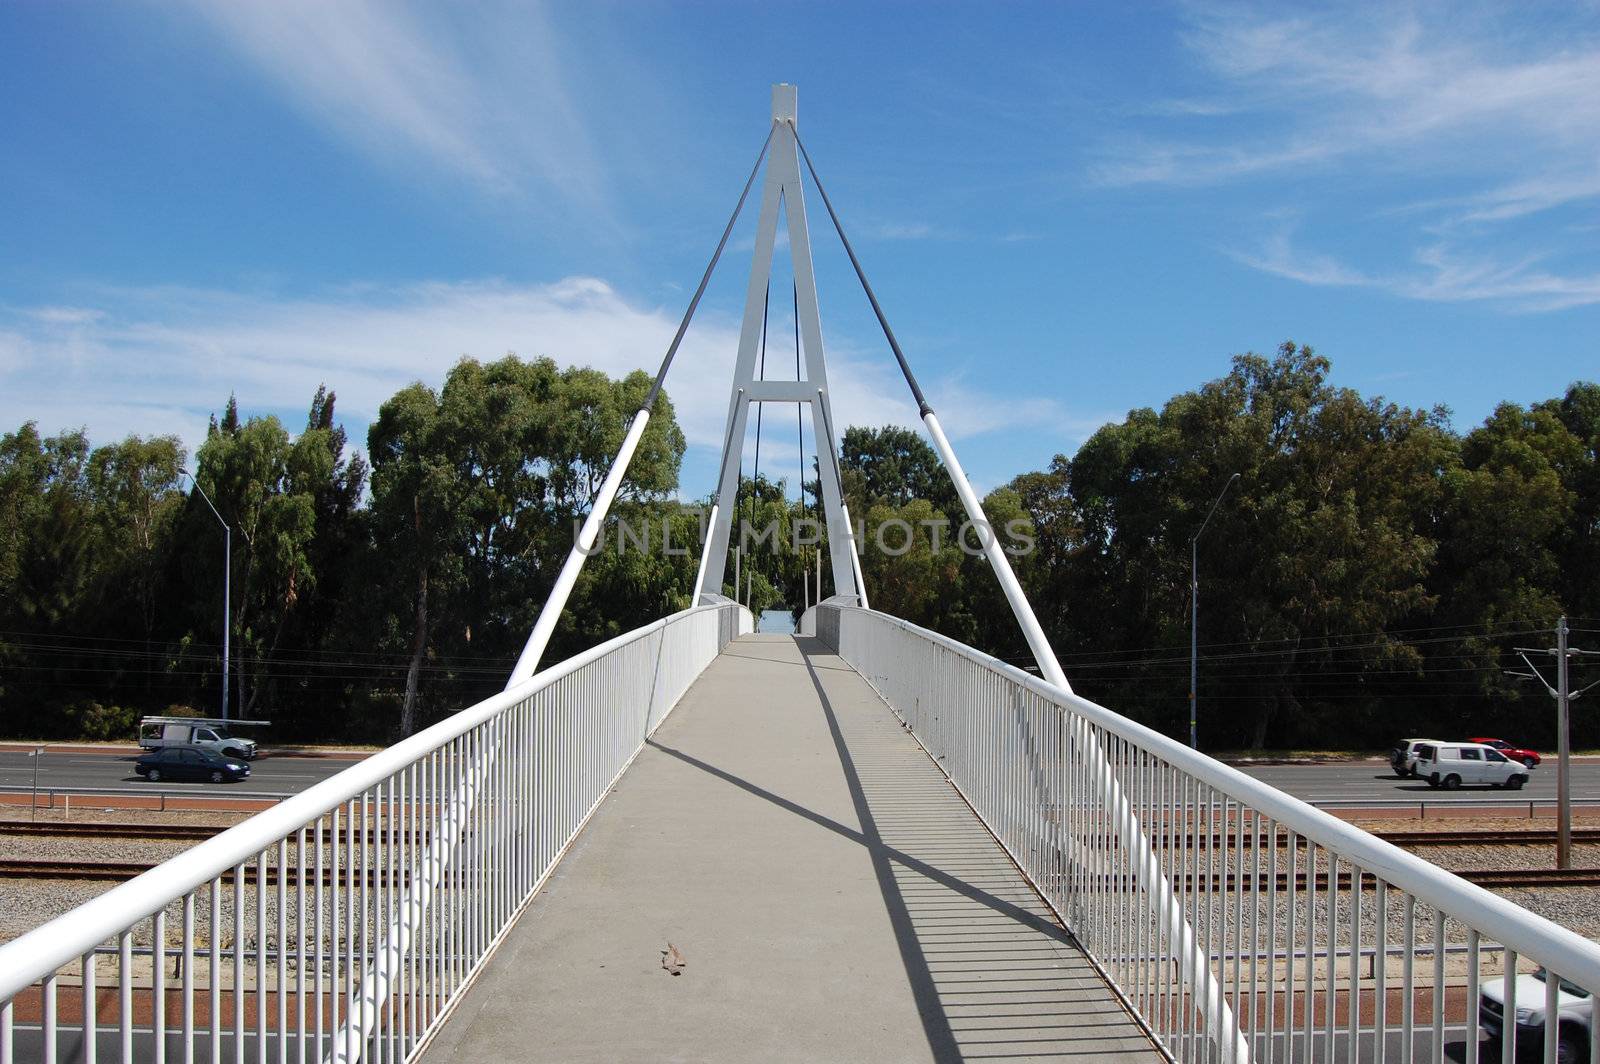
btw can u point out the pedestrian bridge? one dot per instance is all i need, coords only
(830, 894)
(868, 843)
(864, 842)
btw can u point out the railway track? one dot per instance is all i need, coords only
(1483, 877)
(94, 830)
(123, 870)
(1507, 837)
(117, 871)
(113, 830)
(45, 868)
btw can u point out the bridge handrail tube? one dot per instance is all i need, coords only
(1530, 935)
(348, 1044)
(37, 953)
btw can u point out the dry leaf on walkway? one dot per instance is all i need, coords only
(672, 960)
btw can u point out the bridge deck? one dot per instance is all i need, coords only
(831, 895)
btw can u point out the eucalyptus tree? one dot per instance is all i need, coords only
(265, 485)
(1328, 533)
(135, 490)
(474, 490)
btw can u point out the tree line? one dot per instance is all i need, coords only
(1365, 576)
(368, 594)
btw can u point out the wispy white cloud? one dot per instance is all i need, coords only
(901, 231)
(1531, 195)
(1438, 273)
(159, 360)
(1407, 101)
(410, 84)
(1379, 80)
(1280, 256)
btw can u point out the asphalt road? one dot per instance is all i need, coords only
(69, 770)
(1349, 782)
(1375, 781)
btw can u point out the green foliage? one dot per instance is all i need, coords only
(91, 720)
(474, 493)
(1366, 573)
(1358, 532)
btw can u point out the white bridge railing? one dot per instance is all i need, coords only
(1326, 943)
(345, 922)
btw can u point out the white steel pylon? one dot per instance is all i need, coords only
(781, 189)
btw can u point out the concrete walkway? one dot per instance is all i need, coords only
(832, 897)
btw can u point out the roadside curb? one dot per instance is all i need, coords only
(63, 800)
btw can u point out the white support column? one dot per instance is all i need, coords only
(786, 159)
(781, 188)
(1049, 667)
(705, 550)
(528, 661)
(855, 562)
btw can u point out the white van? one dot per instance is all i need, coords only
(1574, 1011)
(1449, 765)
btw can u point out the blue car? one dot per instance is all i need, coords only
(189, 763)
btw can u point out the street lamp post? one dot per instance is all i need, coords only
(1194, 618)
(227, 589)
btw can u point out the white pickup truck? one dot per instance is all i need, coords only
(204, 733)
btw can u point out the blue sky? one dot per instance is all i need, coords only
(1067, 210)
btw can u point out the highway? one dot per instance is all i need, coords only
(74, 769)
(77, 770)
(1374, 781)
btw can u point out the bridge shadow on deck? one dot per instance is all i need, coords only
(997, 977)
(984, 967)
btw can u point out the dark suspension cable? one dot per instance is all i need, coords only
(894, 345)
(683, 326)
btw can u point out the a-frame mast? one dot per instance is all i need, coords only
(781, 190)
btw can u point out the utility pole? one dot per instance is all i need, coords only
(1194, 619)
(227, 589)
(1564, 695)
(33, 805)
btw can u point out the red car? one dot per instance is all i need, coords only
(1530, 758)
